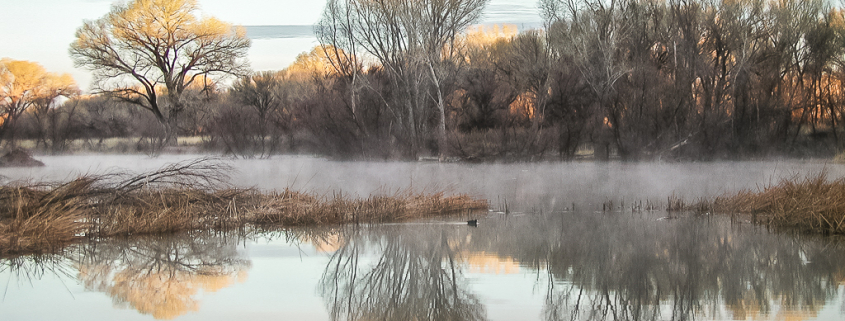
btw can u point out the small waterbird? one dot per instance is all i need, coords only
(472, 222)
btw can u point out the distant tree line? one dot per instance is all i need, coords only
(702, 79)
(633, 79)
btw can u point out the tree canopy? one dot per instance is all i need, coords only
(24, 84)
(145, 49)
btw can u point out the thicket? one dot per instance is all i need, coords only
(631, 79)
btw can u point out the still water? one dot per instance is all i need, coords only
(541, 260)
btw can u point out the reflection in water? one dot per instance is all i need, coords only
(622, 267)
(414, 274)
(584, 266)
(33, 267)
(160, 276)
(489, 263)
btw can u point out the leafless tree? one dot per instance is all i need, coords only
(411, 41)
(145, 49)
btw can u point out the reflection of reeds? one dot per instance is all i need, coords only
(43, 217)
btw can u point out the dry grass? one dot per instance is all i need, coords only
(44, 217)
(813, 204)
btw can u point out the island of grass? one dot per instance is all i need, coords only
(813, 204)
(43, 217)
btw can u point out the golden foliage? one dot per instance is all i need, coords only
(162, 279)
(164, 292)
(479, 44)
(24, 83)
(143, 46)
(316, 63)
(487, 35)
(490, 263)
(161, 24)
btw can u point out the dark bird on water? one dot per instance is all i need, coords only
(472, 222)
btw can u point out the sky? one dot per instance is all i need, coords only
(42, 30)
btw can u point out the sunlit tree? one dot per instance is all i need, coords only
(24, 85)
(144, 50)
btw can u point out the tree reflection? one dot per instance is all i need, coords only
(160, 276)
(590, 266)
(414, 275)
(603, 267)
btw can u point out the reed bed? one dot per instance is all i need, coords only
(812, 204)
(39, 217)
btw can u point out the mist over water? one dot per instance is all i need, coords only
(541, 186)
(542, 260)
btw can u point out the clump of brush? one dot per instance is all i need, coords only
(40, 217)
(812, 204)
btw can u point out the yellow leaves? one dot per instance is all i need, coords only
(23, 83)
(211, 27)
(316, 63)
(160, 20)
(166, 23)
(480, 43)
(61, 84)
(837, 20)
(158, 42)
(24, 75)
(484, 35)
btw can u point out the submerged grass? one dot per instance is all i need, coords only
(38, 217)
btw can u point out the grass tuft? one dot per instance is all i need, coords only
(812, 204)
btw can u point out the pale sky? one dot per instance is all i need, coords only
(42, 30)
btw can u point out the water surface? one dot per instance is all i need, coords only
(542, 260)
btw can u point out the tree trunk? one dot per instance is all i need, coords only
(441, 108)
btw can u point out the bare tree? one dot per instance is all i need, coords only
(592, 32)
(145, 49)
(261, 92)
(416, 277)
(411, 40)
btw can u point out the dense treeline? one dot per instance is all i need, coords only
(705, 79)
(634, 79)
(637, 79)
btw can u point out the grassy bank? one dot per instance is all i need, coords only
(41, 217)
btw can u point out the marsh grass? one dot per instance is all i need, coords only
(812, 204)
(39, 217)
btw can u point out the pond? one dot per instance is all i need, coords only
(545, 251)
